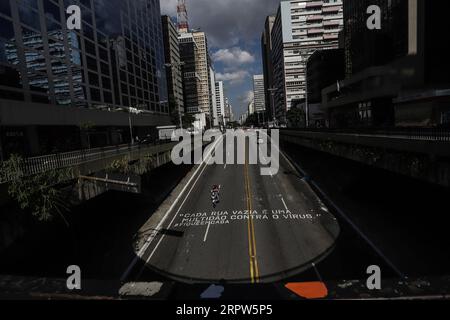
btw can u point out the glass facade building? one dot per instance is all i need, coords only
(116, 60)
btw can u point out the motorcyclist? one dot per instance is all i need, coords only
(215, 194)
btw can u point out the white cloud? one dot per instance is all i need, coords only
(247, 97)
(226, 21)
(233, 57)
(233, 77)
(169, 7)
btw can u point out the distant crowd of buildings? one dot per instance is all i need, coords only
(127, 71)
(192, 84)
(321, 60)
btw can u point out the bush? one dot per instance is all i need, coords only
(38, 193)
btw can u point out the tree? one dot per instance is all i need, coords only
(40, 193)
(252, 120)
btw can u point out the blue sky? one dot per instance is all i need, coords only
(234, 29)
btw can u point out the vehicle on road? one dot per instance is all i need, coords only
(215, 195)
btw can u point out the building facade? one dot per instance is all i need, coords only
(213, 98)
(325, 67)
(258, 91)
(266, 46)
(191, 79)
(301, 27)
(229, 115)
(55, 82)
(220, 103)
(173, 65)
(251, 108)
(395, 76)
(202, 66)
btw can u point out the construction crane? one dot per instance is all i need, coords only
(182, 17)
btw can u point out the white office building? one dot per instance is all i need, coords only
(213, 100)
(301, 27)
(259, 96)
(220, 103)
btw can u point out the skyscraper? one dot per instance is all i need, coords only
(191, 79)
(213, 100)
(54, 80)
(220, 102)
(173, 65)
(266, 46)
(397, 75)
(258, 91)
(202, 69)
(300, 28)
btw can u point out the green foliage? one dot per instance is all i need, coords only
(252, 120)
(38, 193)
(120, 166)
(124, 166)
(87, 125)
(233, 125)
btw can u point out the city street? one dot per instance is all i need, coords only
(265, 228)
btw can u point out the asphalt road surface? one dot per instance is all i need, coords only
(264, 229)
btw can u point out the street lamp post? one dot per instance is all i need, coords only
(131, 126)
(132, 110)
(272, 94)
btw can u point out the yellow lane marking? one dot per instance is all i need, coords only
(254, 270)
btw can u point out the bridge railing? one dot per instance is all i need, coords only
(431, 134)
(40, 164)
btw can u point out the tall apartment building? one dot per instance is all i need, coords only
(196, 60)
(55, 81)
(212, 95)
(220, 103)
(301, 27)
(191, 79)
(258, 91)
(251, 107)
(202, 69)
(173, 64)
(266, 46)
(229, 115)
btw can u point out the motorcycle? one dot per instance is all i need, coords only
(215, 196)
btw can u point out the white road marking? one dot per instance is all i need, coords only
(160, 224)
(181, 206)
(284, 203)
(206, 233)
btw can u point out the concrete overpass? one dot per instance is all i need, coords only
(90, 167)
(419, 153)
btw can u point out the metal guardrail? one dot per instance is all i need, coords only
(429, 134)
(36, 165)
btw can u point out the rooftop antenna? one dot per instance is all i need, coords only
(182, 17)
